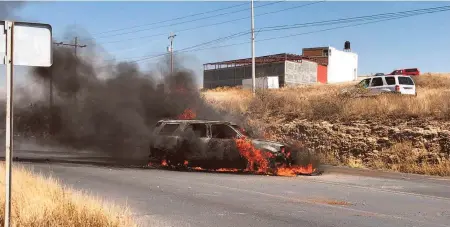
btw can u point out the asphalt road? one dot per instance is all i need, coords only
(171, 198)
(339, 197)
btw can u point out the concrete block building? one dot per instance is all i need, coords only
(290, 69)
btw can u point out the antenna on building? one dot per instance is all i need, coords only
(347, 46)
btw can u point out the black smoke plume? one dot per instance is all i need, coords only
(114, 115)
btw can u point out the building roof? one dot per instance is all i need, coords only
(320, 60)
(274, 58)
(316, 48)
(262, 59)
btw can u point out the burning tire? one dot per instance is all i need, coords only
(175, 162)
(300, 157)
(155, 155)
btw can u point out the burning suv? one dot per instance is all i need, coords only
(215, 145)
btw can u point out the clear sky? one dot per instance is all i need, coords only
(422, 41)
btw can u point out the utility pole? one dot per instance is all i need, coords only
(171, 37)
(253, 51)
(75, 45)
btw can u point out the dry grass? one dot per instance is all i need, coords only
(403, 157)
(355, 163)
(233, 100)
(433, 81)
(39, 202)
(326, 102)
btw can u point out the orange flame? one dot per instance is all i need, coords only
(221, 170)
(255, 157)
(227, 170)
(185, 162)
(295, 170)
(164, 162)
(188, 114)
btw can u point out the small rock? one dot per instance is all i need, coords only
(383, 140)
(394, 130)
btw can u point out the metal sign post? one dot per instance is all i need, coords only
(26, 44)
(9, 61)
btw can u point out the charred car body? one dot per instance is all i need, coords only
(210, 144)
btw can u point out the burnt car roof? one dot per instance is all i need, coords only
(196, 121)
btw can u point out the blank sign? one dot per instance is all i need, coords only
(32, 44)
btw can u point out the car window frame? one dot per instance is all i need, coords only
(380, 78)
(206, 128)
(360, 84)
(393, 77)
(413, 70)
(168, 123)
(238, 134)
(413, 83)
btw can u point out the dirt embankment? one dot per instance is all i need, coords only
(414, 145)
(401, 133)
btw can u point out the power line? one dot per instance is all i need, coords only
(340, 27)
(235, 35)
(335, 21)
(431, 10)
(214, 24)
(446, 8)
(184, 22)
(221, 39)
(75, 45)
(173, 19)
(356, 19)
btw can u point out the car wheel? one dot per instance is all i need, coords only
(155, 155)
(302, 157)
(272, 163)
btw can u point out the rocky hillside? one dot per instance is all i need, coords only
(376, 144)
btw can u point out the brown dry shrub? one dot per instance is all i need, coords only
(231, 100)
(404, 157)
(329, 107)
(327, 102)
(434, 81)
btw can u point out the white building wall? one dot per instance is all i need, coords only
(300, 73)
(267, 82)
(342, 66)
